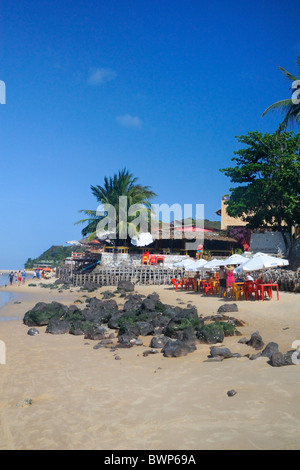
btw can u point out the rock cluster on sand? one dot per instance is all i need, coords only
(175, 331)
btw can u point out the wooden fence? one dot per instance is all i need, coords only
(141, 275)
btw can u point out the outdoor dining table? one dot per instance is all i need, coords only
(262, 288)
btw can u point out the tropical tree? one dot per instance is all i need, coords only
(289, 107)
(120, 199)
(267, 174)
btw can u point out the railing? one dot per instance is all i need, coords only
(141, 275)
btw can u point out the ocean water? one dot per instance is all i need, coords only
(4, 296)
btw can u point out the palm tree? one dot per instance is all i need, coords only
(121, 184)
(290, 107)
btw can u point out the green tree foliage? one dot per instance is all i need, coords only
(54, 255)
(121, 184)
(267, 173)
(289, 107)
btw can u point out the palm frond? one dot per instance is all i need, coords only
(282, 105)
(287, 74)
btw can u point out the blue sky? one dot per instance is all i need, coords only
(161, 87)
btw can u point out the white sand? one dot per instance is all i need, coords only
(85, 399)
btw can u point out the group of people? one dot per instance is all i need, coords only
(41, 274)
(227, 279)
(18, 277)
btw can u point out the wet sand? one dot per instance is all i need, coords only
(83, 398)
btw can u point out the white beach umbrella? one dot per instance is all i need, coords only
(262, 261)
(213, 264)
(234, 259)
(196, 265)
(142, 239)
(184, 263)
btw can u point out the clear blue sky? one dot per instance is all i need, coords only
(161, 87)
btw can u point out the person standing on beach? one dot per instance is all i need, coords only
(19, 278)
(230, 280)
(222, 278)
(11, 278)
(23, 276)
(16, 277)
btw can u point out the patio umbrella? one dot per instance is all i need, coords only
(262, 261)
(142, 239)
(213, 264)
(184, 263)
(196, 265)
(235, 259)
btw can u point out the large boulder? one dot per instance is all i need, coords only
(289, 358)
(182, 325)
(95, 333)
(228, 308)
(220, 351)
(270, 349)
(133, 303)
(126, 286)
(178, 348)
(42, 313)
(100, 311)
(159, 341)
(255, 341)
(211, 333)
(58, 327)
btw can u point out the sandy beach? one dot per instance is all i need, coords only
(83, 398)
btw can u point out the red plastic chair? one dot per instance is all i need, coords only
(207, 286)
(251, 288)
(153, 259)
(160, 259)
(145, 259)
(190, 283)
(176, 283)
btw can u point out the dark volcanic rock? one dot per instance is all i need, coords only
(178, 348)
(256, 341)
(158, 341)
(58, 327)
(100, 311)
(126, 286)
(182, 325)
(270, 349)
(211, 334)
(32, 332)
(42, 312)
(290, 358)
(133, 303)
(224, 352)
(95, 333)
(228, 308)
(145, 328)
